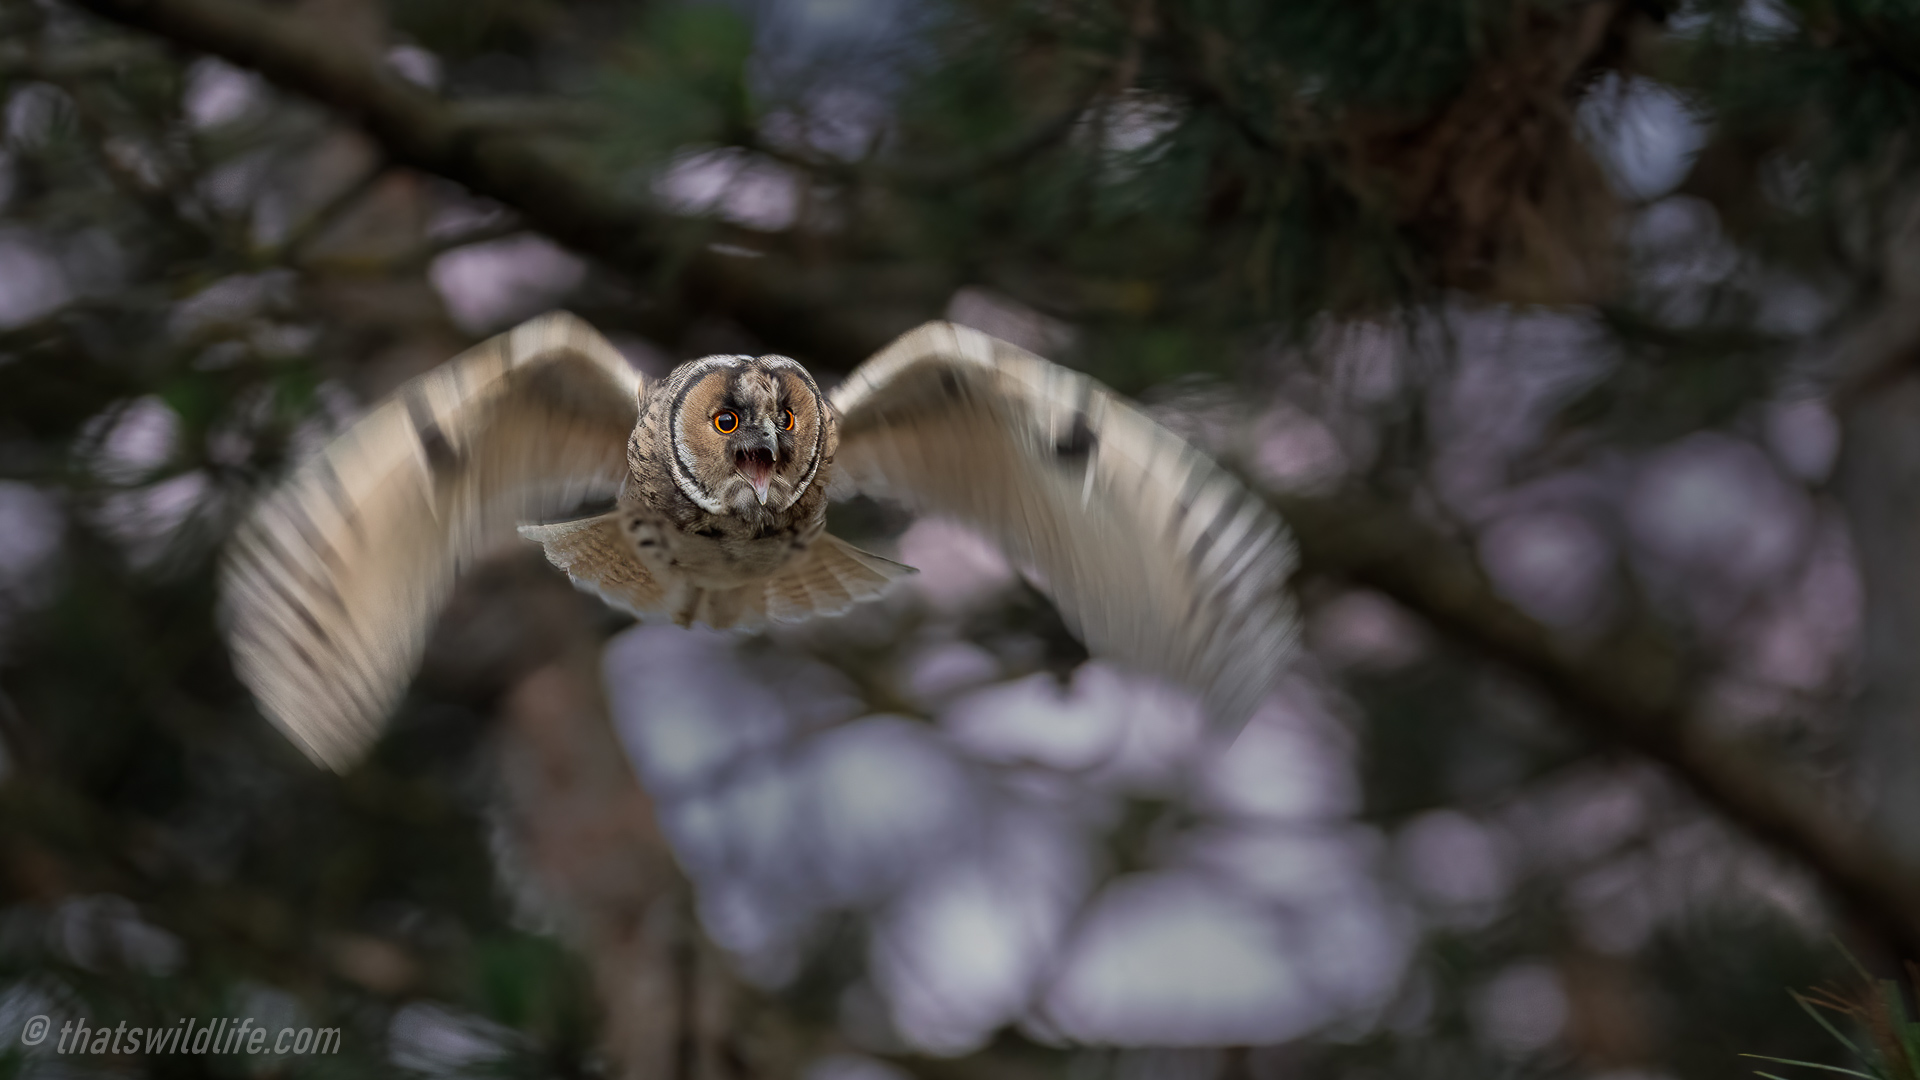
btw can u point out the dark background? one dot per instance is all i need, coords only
(1575, 339)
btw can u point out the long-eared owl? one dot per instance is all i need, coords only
(720, 476)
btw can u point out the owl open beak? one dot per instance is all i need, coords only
(756, 465)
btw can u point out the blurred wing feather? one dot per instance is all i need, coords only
(1152, 552)
(333, 582)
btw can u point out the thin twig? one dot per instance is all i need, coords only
(509, 225)
(21, 741)
(328, 213)
(910, 176)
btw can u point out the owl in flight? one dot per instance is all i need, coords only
(720, 475)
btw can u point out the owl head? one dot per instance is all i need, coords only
(749, 433)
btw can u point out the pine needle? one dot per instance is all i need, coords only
(1811, 1065)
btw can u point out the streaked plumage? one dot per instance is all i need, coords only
(720, 476)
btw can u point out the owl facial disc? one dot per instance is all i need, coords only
(748, 434)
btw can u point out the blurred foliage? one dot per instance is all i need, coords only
(680, 79)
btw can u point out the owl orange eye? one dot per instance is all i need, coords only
(786, 420)
(725, 422)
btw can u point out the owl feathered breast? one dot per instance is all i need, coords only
(1154, 555)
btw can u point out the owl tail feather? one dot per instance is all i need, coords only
(600, 560)
(827, 579)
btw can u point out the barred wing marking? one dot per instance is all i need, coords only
(333, 582)
(1153, 553)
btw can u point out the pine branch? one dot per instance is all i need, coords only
(1632, 693)
(755, 284)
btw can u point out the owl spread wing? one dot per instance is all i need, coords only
(332, 584)
(1152, 552)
